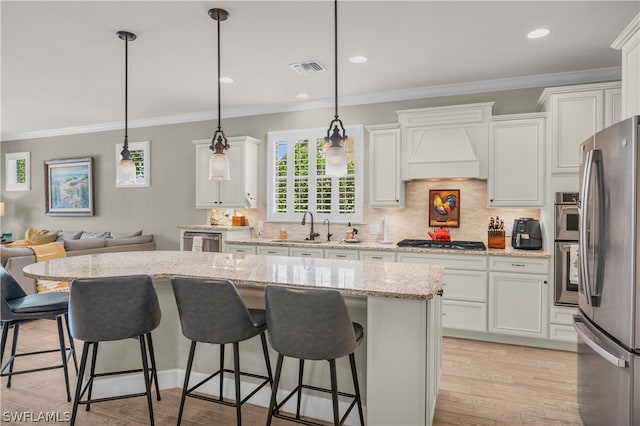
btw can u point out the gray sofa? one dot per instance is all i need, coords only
(15, 259)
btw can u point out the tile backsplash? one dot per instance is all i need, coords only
(410, 222)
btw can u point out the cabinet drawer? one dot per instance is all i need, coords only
(451, 261)
(341, 254)
(564, 333)
(241, 249)
(561, 315)
(464, 315)
(306, 252)
(384, 256)
(273, 251)
(465, 285)
(519, 264)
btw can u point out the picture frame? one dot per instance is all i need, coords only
(69, 187)
(141, 157)
(444, 207)
(18, 171)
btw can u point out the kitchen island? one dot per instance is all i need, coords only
(399, 364)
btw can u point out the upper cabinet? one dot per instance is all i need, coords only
(240, 191)
(386, 188)
(628, 42)
(576, 113)
(516, 161)
(445, 142)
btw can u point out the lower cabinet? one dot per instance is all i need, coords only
(518, 304)
(232, 248)
(273, 251)
(306, 252)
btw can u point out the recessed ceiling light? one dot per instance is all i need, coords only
(539, 33)
(358, 59)
(302, 96)
(226, 80)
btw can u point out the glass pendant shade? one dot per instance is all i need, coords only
(219, 167)
(336, 161)
(126, 172)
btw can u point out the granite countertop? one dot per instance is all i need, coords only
(351, 277)
(372, 245)
(213, 227)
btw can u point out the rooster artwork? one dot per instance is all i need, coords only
(445, 208)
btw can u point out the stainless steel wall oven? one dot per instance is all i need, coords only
(566, 249)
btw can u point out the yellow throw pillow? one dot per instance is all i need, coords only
(31, 232)
(40, 236)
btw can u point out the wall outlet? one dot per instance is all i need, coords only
(260, 227)
(375, 229)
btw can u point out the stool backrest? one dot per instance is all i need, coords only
(309, 323)
(211, 311)
(10, 290)
(113, 308)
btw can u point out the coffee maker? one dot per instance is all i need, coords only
(526, 234)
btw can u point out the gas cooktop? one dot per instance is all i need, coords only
(448, 245)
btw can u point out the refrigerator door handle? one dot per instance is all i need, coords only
(608, 356)
(584, 203)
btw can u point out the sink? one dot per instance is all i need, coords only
(298, 241)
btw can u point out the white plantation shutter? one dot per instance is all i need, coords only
(297, 180)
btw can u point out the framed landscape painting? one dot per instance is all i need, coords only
(69, 187)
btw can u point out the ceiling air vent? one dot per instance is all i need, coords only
(308, 67)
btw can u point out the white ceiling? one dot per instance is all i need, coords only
(63, 66)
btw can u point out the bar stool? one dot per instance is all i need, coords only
(212, 311)
(114, 308)
(17, 307)
(312, 324)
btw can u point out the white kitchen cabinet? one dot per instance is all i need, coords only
(386, 188)
(306, 252)
(561, 324)
(516, 161)
(273, 250)
(612, 106)
(243, 161)
(383, 256)
(241, 249)
(628, 42)
(518, 302)
(575, 113)
(341, 254)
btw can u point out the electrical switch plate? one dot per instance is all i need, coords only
(260, 227)
(375, 229)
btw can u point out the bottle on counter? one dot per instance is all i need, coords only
(283, 234)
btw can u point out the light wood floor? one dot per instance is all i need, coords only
(482, 384)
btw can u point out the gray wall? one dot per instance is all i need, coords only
(170, 199)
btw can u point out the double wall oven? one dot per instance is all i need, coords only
(566, 249)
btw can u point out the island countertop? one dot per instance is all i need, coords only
(351, 277)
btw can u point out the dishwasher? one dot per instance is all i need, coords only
(211, 242)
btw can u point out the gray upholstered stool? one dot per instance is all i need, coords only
(17, 307)
(114, 308)
(212, 311)
(312, 324)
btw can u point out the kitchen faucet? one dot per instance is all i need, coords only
(312, 234)
(329, 234)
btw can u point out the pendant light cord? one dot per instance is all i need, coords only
(219, 127)
(126, 92)
(335, 50)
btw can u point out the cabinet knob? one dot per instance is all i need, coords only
(545, 282)
(491, 200)
(397, 201)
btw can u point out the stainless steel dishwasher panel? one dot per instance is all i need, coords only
(211, 241)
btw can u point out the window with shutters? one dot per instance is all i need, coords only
(297, 181)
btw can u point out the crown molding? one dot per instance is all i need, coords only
(631, 30)
(540, 80)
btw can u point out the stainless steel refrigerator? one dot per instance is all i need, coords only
(608, 321)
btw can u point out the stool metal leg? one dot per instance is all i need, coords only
(63, 354)
(92, 373)
(267, 361)
(72, 345)
(83, 364)
(187, 374)
(236, 373)
(300, 374)
(153, 365)
(145, 373)
(5, 334)
(274, 388)
(14, 343)
(221, 378)
(354, 373)
(334, 392)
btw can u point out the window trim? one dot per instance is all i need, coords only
(355, 132)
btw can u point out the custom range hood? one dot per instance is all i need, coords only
(445, 142)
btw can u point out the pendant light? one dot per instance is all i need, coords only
(336, 156)
(219, 163)
(126, 172)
